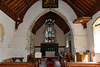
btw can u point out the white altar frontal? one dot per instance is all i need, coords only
(50, 53)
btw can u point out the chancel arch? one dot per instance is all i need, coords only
(61, 23)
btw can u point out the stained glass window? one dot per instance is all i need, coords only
(50, 34)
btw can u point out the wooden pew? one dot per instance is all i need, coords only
(17, 65)
(68, 57)
(80, 64)
(36, 64)
(13, 59)
(25, 64)
(31, 58)
(8, 60)
(83, 57)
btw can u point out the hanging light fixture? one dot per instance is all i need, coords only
(49, 21)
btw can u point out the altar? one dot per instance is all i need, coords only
(50, 53)
(50, 56)
(49, 49)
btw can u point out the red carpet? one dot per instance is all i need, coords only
(50, 65)
(49, 59)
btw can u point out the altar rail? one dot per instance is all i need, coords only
(19, 64)
(80, 64)
(40, 46)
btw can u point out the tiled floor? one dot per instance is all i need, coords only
(44, 63)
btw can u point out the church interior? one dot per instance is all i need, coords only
(49, 33)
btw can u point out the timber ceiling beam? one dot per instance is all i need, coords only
(16, 9)
(78, 12)
(94, 9)
(7, 10)
(84, 9)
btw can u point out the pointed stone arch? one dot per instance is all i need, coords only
(68, 22)
(50, 10)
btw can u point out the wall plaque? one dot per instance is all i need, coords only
(1, 33)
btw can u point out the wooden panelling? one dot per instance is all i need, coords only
(83, 57)
(83, 7)
(79, 64)
(82, 20)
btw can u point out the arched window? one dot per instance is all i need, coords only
(67, 42)
(96, 33)
(49, 34)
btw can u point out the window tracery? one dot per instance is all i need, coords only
(50, 34)
(49, 30)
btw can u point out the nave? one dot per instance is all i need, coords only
(70, 32)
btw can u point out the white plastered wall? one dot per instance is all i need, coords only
(96, 57)
(7, 47)
(80, 38)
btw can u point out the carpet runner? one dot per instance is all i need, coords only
(50, 65)
(49, 62)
